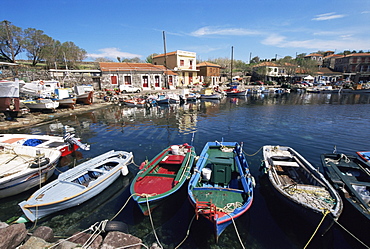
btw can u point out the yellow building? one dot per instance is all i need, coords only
(182, 62)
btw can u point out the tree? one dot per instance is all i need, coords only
(149, 58)
(133, 60)
(52, 53)
(72, 54)
(255, 59)
(35, 42)
(103, 59)
(11, 41)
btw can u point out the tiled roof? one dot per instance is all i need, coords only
(333, 55)
(161, 55)
(313, 54)
(358, 54)
(266, 64)
(207, 64)
(128, 66)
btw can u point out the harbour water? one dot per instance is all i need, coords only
(310, 123)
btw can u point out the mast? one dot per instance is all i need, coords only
(232, 58)
(165, 61)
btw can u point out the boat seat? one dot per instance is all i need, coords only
(173, 159)
(285, 163)
(221, 174)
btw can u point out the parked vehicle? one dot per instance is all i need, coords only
(129, 89)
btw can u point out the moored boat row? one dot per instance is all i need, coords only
(219, 184)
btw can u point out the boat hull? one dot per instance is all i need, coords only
(301, 187)
(163, 176)
(43, 141)
(19, 176)
(71, 187)
(228, 184)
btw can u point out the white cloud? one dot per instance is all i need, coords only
(274, 40)
(327, 16)
(340, 43)
(112, 53)
(223, 31)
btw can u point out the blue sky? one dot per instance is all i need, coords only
(263, 28)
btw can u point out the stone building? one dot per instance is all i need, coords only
(144, 75)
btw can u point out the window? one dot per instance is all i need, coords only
(191, 64)
(156, 81)
(182, 63)
(170, 80)
(145, 81)
(127, 80)
(113, 80)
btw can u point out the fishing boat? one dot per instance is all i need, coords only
(77, 185)
(221, 187)
(364, 155)
(162, 176)
(66, 145)
(233, 91)
(297, 183)
(23, 167)
(351, 177)
(41, 104)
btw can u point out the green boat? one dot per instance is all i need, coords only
(162, 176)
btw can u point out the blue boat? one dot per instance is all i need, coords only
(77, 185)
(221, 187)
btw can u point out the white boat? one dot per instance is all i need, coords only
(301, 186)
(77, 185)
(209, 93)
(9, 98)
(24, 167)
(41, 104)
(66, 145)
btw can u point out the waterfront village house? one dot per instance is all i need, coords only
(270, 71)
(354, 67)
(144, 75)
(182, 62)
(316, 57)
(209, 73)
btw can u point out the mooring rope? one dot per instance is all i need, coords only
(341, 226)
(254, 153)
(151, 222)
(237, 232)
(122, 207)
(187, 232)
(326, 212)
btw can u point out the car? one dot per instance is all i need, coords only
(129, 89)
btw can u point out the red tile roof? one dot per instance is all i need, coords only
(207, 64)
(161, 55)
